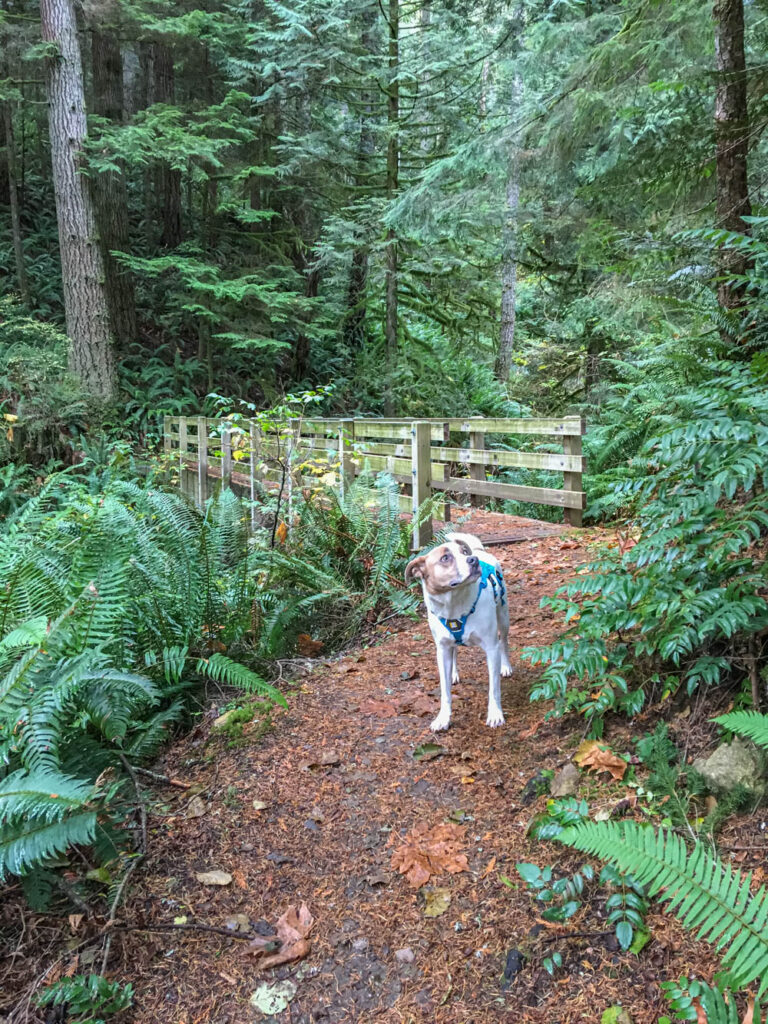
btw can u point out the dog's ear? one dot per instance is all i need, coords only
(415, 569)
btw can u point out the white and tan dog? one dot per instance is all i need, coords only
(467, 606)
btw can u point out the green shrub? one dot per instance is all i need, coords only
(680, 606)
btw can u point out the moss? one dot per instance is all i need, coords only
(237, 726)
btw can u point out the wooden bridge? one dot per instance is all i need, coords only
(455, 456)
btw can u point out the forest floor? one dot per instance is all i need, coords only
(309, 809)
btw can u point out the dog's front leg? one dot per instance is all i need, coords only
(495, 714)
(445, 668)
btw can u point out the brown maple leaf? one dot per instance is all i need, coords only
(598, 757)
(291, 931)
(430, 851)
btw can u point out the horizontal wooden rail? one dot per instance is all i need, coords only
(421, 455)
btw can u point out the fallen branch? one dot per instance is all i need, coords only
(162, 778)
(211, 929)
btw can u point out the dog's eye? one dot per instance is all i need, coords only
(446, 557)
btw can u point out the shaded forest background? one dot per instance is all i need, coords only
(438, 207)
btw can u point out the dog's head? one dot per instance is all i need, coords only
(445, 568)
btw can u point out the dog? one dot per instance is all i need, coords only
(466, 601)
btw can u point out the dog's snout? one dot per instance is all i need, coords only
(472, 559)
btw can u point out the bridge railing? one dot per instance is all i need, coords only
(452, 456)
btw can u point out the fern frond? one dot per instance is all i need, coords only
(42, 814)
(222, 669)
(751, 724)
(705, 893)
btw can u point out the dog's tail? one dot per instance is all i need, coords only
(473, 543)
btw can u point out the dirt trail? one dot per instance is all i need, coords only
(327, 835)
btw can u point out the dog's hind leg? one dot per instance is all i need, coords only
(502, 619)
(495, 714)
(455, 667)
(445, 665)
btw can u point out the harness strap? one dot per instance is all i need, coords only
(489, 574)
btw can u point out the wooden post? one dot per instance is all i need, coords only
(202, 460)
(226, 457)
(167, 434)
(346, 465)
(253, 462)
(446, 503)
(421, 437)
(476, 470)
(573, 481)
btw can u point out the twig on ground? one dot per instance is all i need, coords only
(167, 780)
(182, 928)
(576, 935)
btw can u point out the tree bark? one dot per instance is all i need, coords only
(354, 330)
(393, 160)
(509, 250)
(162, 187)
(109, 187)
(732, 140)
(91, 352)
(13, 198)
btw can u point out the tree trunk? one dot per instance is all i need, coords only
(509, 250)
(393, 158)
(732, 140)
(109, 189)
(168, 179)
(13, 198)
(162, 185)
(91, 352)
(354, 330)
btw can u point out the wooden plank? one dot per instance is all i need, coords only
(568, 426)
(512, 492)
(397, 467)
(420, 454)
(474, 457)
(401, 450)
(372, 428)
(572, 481)
(403, 501)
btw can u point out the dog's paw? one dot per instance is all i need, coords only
(506, 670)
(441, 722)
(495, 718)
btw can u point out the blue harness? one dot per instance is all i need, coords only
(489, 574)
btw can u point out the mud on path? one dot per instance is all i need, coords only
(342, 790)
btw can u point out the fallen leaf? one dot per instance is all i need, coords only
(273, 999)
(213, 877)
(238, 923)
(380, 708)
(489, 867)
(749, 1016)
(427, 751)
(307, 647)
(75, 920)
(290, 938)
(281, 533)
(327, 759)
(378, 878)
(436, 902)
(428, 852)
(527, 733)
(598, 757)
(239, 877)
(196, 807)
(259, 805)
